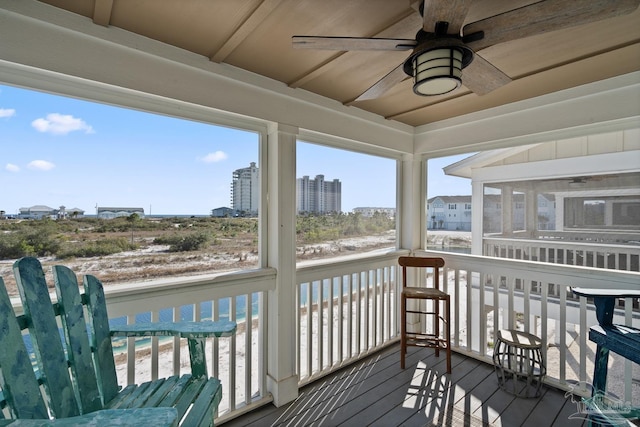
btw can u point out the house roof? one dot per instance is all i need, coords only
(452, 199)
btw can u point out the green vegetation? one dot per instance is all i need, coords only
(184, 243)
(88, 237)
(322, 228)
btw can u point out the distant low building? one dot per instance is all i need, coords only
(75, 213)
(110, 212)
(222, 212)
(43, 211)
(37, 212)
(369, 212)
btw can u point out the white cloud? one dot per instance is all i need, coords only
(12, 168)
(214, 157)
(61, 124)
(41, 165)
(7, 112)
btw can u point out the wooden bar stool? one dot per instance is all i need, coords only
(423, 338)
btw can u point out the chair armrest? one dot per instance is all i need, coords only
(604, 300)
(195, 332)
(126, 417)
(183, 329)
(613, 293)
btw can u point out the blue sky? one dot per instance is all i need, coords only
(61, 151)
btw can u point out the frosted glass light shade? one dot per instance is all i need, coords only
(437, 71)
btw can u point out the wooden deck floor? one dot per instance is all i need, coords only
(376, 392)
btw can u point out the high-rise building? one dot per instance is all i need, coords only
(245, 190)
(318, 196)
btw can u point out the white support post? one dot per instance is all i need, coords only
(282, 378)
(531, 214)
(477, 212)
(507, 212)
(412, 203)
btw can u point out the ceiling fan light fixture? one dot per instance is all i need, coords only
(437, 71)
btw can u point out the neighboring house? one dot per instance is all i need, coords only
(562, 189)
(455, 213)
(75, 213)
(369, 212)
(449, 213)
(110, 212)
(38, 212)
(42, 211)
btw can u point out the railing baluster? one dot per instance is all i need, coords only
(309, 328)
(561, 328)
(232, 350)
(131, 354)
(544, 330)
(583, 342)
(469, 318)
(455, 315)
(358, 320)
(330, 304)
(511, 320)
(496, 308)
(154, 348)
(320, 327)
(482, 316)
(248, 354)
(215, 346)
(341, 308)
(373, 306)
(350, 315)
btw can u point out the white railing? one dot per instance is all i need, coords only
(356, 298)
(346, 309)
(530, 296)
(536, 297)
(599, 255)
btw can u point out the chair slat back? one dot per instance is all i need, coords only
(99, 324)
(83, 373)
(45, 336)
(17, 380)
(421, 262)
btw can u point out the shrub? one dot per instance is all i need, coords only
(183, 243)
(97, 248)
(40, 239)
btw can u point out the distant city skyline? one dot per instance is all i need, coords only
(58, 151)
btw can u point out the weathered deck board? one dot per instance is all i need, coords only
(376, 392)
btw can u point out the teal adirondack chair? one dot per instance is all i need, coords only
(76, 373)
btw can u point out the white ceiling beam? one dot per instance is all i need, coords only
(247, 27)
(102, 12)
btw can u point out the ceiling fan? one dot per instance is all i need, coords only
(446, 44)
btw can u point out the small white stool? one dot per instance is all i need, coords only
(518, 362)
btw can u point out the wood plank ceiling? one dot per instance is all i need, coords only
(255, 35)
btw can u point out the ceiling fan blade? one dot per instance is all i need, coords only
(542, 17)
(482, 77)
(452, 11)
(383, 85)
(351, 43)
